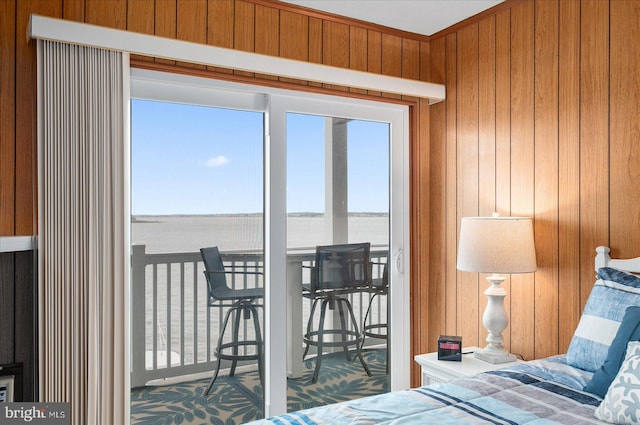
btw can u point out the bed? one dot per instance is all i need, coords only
(596, 381)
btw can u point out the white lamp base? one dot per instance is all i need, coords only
(495, 321)
(493, 356)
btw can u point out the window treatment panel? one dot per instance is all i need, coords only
(83, 235)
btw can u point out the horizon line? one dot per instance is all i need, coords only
(303, 213)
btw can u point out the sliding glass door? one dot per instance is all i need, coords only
(197, 199)
(346, 183)
(267, 177)
(337, 199)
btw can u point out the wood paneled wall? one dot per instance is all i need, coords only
(541, 119)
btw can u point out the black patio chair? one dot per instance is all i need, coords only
(241, 303)
(379, 329)
(339, 270)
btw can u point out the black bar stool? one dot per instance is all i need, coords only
(380, 329)
(242, 304)
(339, 270)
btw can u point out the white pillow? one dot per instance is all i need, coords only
(621, 404)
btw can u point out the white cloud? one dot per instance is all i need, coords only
(217, 161)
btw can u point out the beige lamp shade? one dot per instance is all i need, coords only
(496, 245)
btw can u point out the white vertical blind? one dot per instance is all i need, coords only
(83, 244)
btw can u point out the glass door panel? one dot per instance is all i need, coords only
(197, 183)
(337, 198)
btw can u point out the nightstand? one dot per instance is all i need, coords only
(434, 370)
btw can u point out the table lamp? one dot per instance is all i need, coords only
(496, 245)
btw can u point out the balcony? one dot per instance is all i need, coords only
(174, 333)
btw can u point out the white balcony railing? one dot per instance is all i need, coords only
(174, 332)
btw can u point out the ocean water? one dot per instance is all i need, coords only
(173, 233)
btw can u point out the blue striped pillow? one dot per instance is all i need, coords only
(612, 293)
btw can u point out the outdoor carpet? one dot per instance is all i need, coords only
(238, 399)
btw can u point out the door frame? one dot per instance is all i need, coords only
(275, 103)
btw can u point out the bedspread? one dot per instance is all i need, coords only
(542, 392)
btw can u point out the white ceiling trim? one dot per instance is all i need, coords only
(46, 28)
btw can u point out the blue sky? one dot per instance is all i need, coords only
(200, 160)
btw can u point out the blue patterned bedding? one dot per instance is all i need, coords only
(538, 392)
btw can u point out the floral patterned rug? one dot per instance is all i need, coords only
(238, 399)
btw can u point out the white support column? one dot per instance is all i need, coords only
(336, 191)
